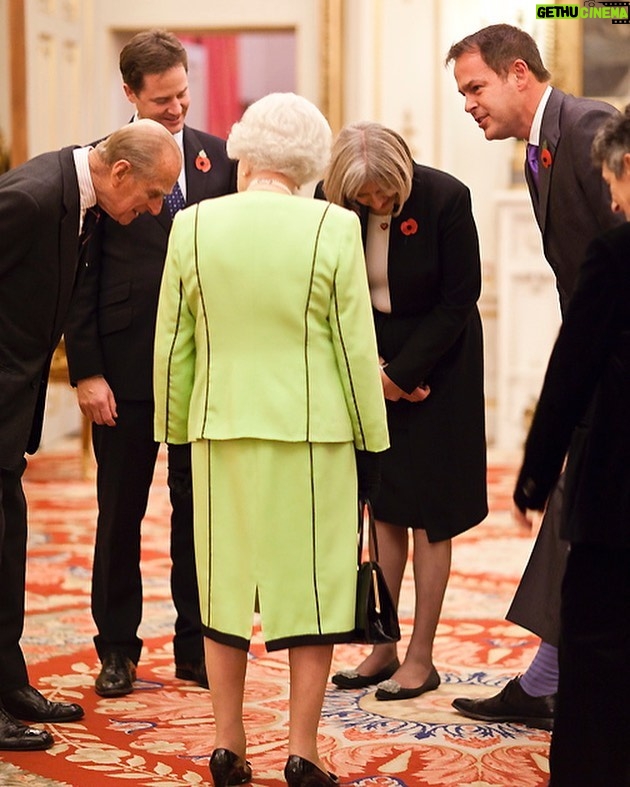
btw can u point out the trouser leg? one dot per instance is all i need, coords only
(125, 455)
(188, 641)
(13, 528)
(589, 746)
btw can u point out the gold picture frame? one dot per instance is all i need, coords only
(331, 37)
(590, 58)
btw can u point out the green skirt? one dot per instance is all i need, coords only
(277, 522)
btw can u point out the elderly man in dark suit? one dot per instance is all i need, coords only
(42, 208)
(507, 90)
(109, 343)
(590, 368)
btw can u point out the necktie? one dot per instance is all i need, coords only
(175, 200)
(90, 220)
(532, 160)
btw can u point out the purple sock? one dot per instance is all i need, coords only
(541, 677)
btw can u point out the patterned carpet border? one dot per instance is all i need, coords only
(161, 734)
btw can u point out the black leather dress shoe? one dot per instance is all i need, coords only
(192, 670)
(511, 704)
(301, 773)
(116, 676)
(29, 705)
(15, 736)
(228, 768)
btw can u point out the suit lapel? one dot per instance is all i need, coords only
(549, 138)
(195, 176)
(68, 259)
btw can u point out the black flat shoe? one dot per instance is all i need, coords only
(116, 676)
(301, 773)
(350, 679)
(28, 704)
(392, 690)
(15, 736)
(192, 670)
(228, 768)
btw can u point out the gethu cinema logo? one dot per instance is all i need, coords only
(582, 12)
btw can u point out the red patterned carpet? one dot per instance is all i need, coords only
(161, 735)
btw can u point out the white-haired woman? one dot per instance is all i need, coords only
(425, 276)
(266, 361)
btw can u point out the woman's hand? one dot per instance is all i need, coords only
(394, 393)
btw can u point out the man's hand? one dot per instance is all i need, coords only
(96, 400)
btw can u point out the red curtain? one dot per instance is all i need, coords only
(224, 107)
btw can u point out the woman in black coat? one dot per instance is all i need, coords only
(422, 257)
(583, 410)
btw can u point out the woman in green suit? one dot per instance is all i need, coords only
(266, 362)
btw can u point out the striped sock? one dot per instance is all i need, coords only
(541, 677)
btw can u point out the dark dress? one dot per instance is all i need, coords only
(434, 474)
(589, 375)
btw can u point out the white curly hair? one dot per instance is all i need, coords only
(285, 133)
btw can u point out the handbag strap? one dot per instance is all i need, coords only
(365, 507)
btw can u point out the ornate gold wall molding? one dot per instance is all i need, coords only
(331, 76)
(17, 67)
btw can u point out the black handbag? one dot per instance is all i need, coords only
(376, 617)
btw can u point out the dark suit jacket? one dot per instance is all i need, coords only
(39, 221)
(111, 326)
(590, 363)
(572, 203)
(434, 335)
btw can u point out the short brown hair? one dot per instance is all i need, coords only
(150, 52)
(499, 46)
(368, 152)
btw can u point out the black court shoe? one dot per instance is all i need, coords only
(228, 768)
(301, 773)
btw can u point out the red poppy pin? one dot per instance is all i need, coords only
(202, 162)
(409, 227)
(546, 158)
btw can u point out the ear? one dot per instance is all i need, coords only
(626, 163)
(521, 72)
(131, 96)
(245, 168)
(119, 171)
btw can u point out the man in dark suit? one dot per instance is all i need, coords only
(507, 90)
(109, 343)
(42, 209)
(590, 368)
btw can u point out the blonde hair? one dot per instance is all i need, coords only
(285, 133)
(368, 152)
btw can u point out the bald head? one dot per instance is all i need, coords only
(134, 168)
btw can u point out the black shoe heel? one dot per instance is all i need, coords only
(228, 768)
(301, 773)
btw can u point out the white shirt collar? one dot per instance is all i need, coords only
(87, 194)
(534, 132)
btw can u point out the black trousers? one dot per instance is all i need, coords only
(13, 528)
(126, 456)
(590, 745)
